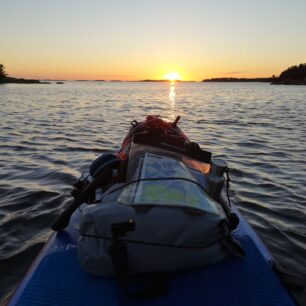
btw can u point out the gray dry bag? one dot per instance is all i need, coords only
(160, 220)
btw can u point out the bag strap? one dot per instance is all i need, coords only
(103, 177)
(233, 246)
(158, 283)
(233, 220)
(117, 250)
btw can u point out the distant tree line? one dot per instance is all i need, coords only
(226, 79)
(4, 78)
(294, 73)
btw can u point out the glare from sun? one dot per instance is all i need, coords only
(173, 76)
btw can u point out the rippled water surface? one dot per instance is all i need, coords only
(50, 133)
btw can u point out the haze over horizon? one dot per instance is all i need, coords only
(134, 40)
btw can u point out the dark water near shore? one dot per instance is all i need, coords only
(50, 133)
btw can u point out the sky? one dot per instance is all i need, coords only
(142, 39)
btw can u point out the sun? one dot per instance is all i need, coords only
(173, 76)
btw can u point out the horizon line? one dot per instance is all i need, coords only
(145, 80)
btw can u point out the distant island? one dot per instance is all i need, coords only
(151, 80)
(4, 78)
(267, 80)
(294, 75)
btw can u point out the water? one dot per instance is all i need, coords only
(50, 133)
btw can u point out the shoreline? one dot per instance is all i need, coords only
(9, 80)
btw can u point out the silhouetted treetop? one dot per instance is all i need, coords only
(294, 73)
(2, 72)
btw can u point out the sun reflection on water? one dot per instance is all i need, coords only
(172, 94)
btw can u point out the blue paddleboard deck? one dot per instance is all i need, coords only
(57, 279)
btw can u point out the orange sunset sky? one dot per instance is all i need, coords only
(133, 40)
